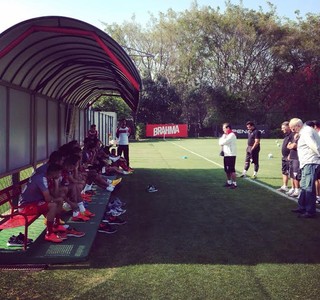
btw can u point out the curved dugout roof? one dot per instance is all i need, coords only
(67, 60)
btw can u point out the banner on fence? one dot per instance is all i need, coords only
(242, 132)
(166, 130)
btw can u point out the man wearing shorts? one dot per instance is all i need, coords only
(37, 198)
(229, 150)
(123, 133)
(285, 153)
(294, 166)
(253, 149)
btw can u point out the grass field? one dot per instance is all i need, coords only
(193, 239)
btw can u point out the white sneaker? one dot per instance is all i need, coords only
(296, 193)
(283, 188)
(291, 191)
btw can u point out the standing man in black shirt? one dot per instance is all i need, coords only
(285, 156)
(253, 149)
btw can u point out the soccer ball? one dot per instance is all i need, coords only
(270, 155)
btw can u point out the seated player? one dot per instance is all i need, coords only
(38, 198)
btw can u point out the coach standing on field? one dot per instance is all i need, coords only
(253, 149)
(228, 142)
(123, 133)
(309, 157)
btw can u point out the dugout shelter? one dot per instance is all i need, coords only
(52, 69)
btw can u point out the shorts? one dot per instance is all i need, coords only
(37, 208)
(285, 166)
(229, 164)
(294, 169)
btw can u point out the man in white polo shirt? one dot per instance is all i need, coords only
(309, 158)
(123, 133)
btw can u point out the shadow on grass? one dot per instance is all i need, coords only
(192, 219)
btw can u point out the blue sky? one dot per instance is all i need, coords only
(97, 11)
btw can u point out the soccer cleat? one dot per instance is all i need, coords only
(106, 228)
(80, 218)
(62, 235)
(117, 202)
(88, 213)
(113, 212)
(18, 241)
(254, 176)
(86, 198)
(75, 233)
(116, 181)
(119, 209)
(59, 228)
(151, 189)
(52, 237)
(233, 186)
(114, 221)
(243, 175)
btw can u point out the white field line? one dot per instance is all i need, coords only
(253, 181)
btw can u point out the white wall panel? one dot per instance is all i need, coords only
(52, 126)
(3, 128)
(19, 129)
(41, 128)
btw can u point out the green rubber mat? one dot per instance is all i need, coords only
(42, 252)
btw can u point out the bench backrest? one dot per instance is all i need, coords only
(9, 196)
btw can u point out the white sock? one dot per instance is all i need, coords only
(87, 187)
(229, 181)
(255, 173)
(244, 172)
(81, 207)
(234, 183)
(75, 213)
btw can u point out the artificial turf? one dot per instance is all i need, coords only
(193, 239)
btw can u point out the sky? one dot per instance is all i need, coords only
(108, 11)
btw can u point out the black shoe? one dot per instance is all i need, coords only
(227, 185)
(307, 216)
(298, 211)
(232, 187)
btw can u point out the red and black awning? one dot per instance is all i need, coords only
(67, 60)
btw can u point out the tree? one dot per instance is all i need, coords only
(202, 66)
(158, 102)
(114, 104)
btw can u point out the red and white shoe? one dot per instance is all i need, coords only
(52, 237)
(59, 228)
(75, 233)
(80, 218)
(88, 214)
